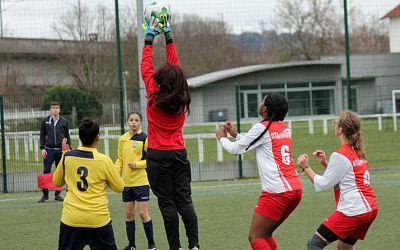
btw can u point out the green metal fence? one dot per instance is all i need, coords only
(233, 54)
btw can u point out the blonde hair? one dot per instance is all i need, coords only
(351, 125)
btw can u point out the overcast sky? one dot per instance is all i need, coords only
(33, 18)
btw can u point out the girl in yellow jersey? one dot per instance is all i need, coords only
(132, 148)
(85, 218)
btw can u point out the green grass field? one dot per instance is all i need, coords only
(382, 146)
(224, 210)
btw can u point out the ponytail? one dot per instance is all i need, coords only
(277, 108)
(351, 126)
(261, 135)
(356, 143)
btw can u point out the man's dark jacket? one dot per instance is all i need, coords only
(51, 136)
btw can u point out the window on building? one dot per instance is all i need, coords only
(299, 103)
(252, 104)
(323, 102)
(316, 98)
(249, 104)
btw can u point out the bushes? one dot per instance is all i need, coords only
(75, 103)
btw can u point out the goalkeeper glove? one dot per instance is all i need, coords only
(165, 28)
(150, 30)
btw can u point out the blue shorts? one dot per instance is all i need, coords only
(78, 237)
(141, 193)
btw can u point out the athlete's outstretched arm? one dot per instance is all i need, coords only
(243, 141)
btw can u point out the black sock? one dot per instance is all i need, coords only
(148, 229)
(130, 232)
(315, 243)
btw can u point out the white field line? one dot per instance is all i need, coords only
(112, 193)
(199, 187)
(227, 185)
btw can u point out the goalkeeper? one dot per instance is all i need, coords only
(167, 105)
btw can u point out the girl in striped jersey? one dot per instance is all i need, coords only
(348, 167)
(271, 142)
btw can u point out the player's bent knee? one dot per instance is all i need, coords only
(343, 246)
(129, 216)
(144, 216)
(315, 243)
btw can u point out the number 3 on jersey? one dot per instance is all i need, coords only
(83, 184)
(285, 153)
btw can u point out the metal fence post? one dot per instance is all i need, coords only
(3, 145)
(237, 90)
(347, 47)
(120, 77)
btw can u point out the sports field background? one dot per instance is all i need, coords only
(224, 209)
(42, 38)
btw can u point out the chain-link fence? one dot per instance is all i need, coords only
(233, 52)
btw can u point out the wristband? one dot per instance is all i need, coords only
(168, 37)
(148, 39)
(303, 169)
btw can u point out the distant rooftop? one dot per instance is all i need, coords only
(45, 47)
(201, 80)
(393, 13)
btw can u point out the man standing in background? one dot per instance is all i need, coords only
(53, 129)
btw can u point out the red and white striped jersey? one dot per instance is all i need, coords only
(347, 169)
(273, 153)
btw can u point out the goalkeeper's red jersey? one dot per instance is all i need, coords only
(164, 130)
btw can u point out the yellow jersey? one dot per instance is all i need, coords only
(133, 149)
(87, 173)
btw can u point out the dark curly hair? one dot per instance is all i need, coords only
(173, 97)
(88, 131)
(277, 107)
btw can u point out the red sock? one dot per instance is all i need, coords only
(260, 244)
(272, 243)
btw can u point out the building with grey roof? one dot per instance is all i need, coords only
(311, 87)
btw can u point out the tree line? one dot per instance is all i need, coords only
(302, 30)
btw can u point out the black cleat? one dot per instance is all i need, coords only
(130, 248)
(58, 198)
(43, 199)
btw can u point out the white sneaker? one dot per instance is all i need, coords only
(195, 248)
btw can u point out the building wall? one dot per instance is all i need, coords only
(37, 72)
(298, 74)
(385, 85)
(220, 96)
(196, 107)
(366, 97)
(394, 31)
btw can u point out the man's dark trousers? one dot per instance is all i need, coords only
(53, 155)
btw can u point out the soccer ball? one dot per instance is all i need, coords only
(157, 9)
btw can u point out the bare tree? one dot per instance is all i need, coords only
(310, 29)
(203, 45)
(88, 48)
(369, 36)
(90, 56)
(312, 25)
